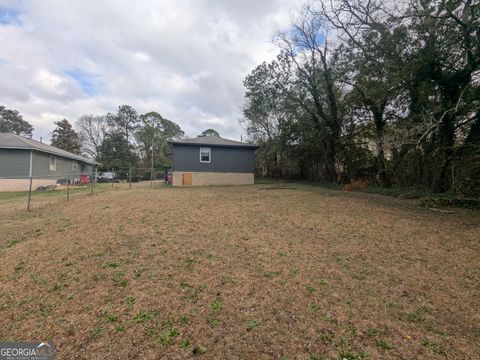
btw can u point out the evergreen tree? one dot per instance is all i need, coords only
(117, 153)
(210, 132)
(12, 122)
(154, 130)
(125, 120)
(64, 137)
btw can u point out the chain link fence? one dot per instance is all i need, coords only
(37, 191)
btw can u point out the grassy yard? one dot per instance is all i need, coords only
(252, 272)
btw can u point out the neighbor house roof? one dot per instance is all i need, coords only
(12, 141)
(212, 141)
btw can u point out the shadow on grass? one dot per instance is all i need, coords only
(423, 197)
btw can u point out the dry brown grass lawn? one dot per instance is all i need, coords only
(243, 273)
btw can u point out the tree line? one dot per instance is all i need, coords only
(126, 139)
(118, 140)
(384, 92)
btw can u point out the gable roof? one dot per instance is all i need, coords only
(12, 141)
(212, 141)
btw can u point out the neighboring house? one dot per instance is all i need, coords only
(211, 160)
(22, 158)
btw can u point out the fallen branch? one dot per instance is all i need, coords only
(442, 211)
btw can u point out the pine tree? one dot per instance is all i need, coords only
(210, 132)
(12, 122)
(64, 137)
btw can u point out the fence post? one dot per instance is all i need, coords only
(29, 194)
(68, 188)
(91, 184)
(130, 178)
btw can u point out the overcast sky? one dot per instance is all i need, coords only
(185, 59)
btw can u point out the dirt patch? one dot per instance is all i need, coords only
(233, 272)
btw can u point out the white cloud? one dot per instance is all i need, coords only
(48, 81)
(141, 56)
(185, 59)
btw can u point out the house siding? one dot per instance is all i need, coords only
(14, 163)
(40, 166)
(223, 159)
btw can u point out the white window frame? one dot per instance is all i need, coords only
(74, 165)
(206, 149)
(52, 165)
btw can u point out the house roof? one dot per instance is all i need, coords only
(212, 141)
(12, 141)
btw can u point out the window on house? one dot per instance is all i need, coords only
(205, 154)
(74, 166)
(52, 163)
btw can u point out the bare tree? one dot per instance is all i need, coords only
(92, 131)
(307, 47)
(265, 113)
(372, 62)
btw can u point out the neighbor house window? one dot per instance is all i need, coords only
(74, 165)
(205, 154)
(52, 163)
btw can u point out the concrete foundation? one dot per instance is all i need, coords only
(23, 184)
(213, 178)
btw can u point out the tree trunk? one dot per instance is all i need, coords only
(473, 137)
(379, 133)
(330, 161)
(441, 160)
(381, 169)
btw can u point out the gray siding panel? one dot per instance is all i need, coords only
(223, 159)
(40, 166)
(14, 164)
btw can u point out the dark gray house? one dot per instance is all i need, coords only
(22, 158)
(212, 160)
